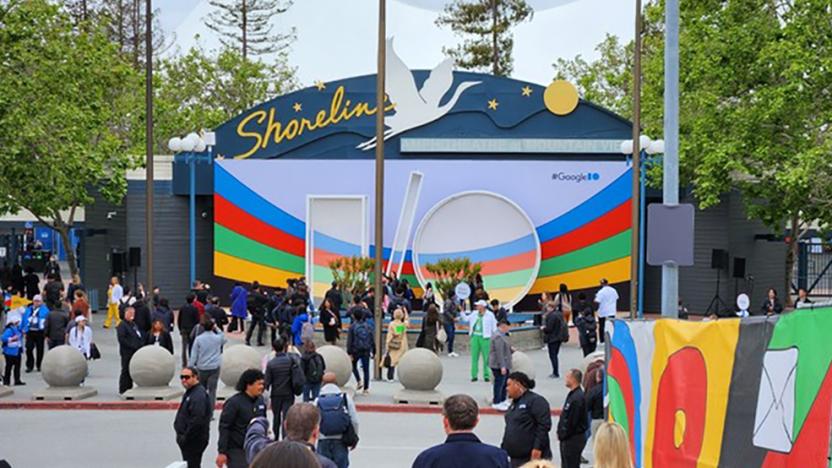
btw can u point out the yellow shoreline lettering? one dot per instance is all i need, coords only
(277, 131)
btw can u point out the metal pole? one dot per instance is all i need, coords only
(379, 190)
(641, 207)
(192, 217)
(634, 256)
(148, 83)
(670, 185)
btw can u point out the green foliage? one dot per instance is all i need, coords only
(485, 26)
(66, 96)
(448, 272)
(246, 25)
(352, 274)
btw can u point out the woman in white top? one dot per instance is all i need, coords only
(80, 337)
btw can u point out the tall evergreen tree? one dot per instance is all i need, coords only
(246, 25)
(486, 29)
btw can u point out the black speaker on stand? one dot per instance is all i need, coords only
(719, 262)
(738, 273)
(135, 261)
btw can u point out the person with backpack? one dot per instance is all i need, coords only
(360, 346)
(313, 369)
(338, 431)
(284, 378)
(563, 299)
(586, 325)
(302, 327)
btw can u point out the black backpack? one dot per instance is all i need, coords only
(335, 416)
(314, 367)
(362, 338)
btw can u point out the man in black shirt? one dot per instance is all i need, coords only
(187, 319)
(284, 379)
(237, 413)
(193, 419)
(130, 339)
(257, 303)
(573, 422)
(528, 422)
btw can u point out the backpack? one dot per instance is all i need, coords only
(314, 367)
(587, 329)
(362, 338)
(335, 416)
(307, 331)
(564, 328)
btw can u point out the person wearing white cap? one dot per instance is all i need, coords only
(482, 324)
(33, 325)
(12, 341)
(80, 336)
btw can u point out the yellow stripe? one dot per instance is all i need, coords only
(616, 271)
(237, 269)
(505, 295)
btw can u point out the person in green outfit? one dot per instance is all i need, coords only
(481, 326)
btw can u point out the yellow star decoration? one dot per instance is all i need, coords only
(320, 85)
(297, 107)
(492, 104)
(527, 91)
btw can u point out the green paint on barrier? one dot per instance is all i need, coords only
(617, 407)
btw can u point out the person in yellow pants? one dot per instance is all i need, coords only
(114, 295)
(482, 325)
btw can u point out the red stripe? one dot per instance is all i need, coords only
(518, 262)
(608, 225)
(239, 221)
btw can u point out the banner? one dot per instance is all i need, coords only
(753, 392)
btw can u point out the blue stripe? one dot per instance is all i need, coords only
(386, 252)
(598, 205)
(248, 200)
(336, 246)
(509, 249)
(623, 341)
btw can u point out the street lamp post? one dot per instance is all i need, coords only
(193, 149)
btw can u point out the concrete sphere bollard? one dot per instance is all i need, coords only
(152, 366)
(64, 366)
(521, 362)
(337, 361)
(420, 369)
(236, 360)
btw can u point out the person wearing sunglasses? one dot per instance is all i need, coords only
(193, 419)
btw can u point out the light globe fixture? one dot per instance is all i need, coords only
(655, 147)
(627, 147)
(175, 144)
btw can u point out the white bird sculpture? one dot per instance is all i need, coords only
(416, 107)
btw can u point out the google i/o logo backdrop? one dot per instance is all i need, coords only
(486, 228)
(576, 177)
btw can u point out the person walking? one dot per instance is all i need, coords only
(302, 327)
(216, 313)
(607, 300)
(55, 329)
(80, 337)
(187, 319)
(586, 325)
(450, 311)
(360, 346)
(462, 448)
(594, 393)
(313, 369)
(130, 339)
(163, 313)
(611, 447)
(80, 302)
(159, 336)
(554, 328)
(33, 326)
(284, 379)
(237, 413)
(31, 283)
(396, 343)
(573, 422)
(563, 301)
(206, 357)
(331, 321)
(339, 422)
(302, 427)
(114, 294)
(193, 419)
(256, 302)
(428, 338)
(482, 325)
(499, 360)
(429, 296)
(239, 298)
(12, 341)
(336, 299)
(528, 422)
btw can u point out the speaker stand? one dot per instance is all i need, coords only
(717, 304)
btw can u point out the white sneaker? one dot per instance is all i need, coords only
(453, 354)
(502, 407)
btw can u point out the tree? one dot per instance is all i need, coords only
(755, 106)
(198, 90)
(65, 98)
(352, 275)
(246, 25)
(486, 28)
(448, 272)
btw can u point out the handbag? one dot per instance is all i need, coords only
(350, 438)
(386, 362)
(94, 352)
(395, 343)
(441, 334)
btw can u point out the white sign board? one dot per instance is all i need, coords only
(463, 291)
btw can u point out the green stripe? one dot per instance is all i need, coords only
(609, 249)
(511, 279)
(322, 274)
(236, 245)
(617, 407)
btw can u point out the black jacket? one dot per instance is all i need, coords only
(257, 304)
(587, 329)
(142, 318)
(462, 450)
(56, 323)
(193, 419)
(776, 308)
(528, 422)
(572, 421)
(53, 290)
(595, 401)
(284, 376)
(217, 315)
(187, 319)
(164, 340)
(130, 338)
(237, 413)
(335, 298)
(553, 327)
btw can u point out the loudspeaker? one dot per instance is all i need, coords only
(135, 257)
(739, 267)
(118, 262)
(719, 259)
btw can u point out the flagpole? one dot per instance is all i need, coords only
(379, 189)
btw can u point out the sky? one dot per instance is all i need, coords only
(337, 38)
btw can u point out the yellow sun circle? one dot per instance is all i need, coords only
(560, 97)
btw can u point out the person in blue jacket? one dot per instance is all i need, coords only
(301, 317)
(34, 325)
(239, 300)
(12, 340)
